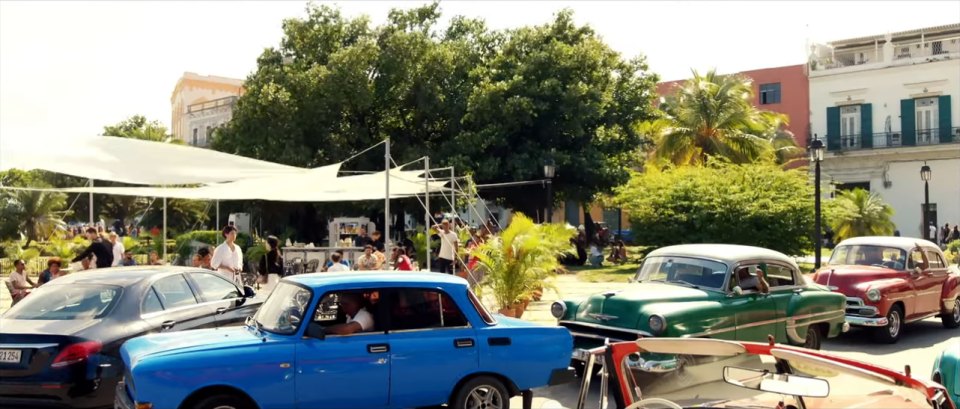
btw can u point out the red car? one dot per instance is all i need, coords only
(735, 374)
(887, 283)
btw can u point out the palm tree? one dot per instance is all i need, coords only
(521, 258)
(858, 212)
(713, 115)
(38, 214)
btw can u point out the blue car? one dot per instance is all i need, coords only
(351, 341)
(946, 371)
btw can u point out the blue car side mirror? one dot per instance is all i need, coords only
(315, 330)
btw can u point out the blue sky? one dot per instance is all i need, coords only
(68, 68)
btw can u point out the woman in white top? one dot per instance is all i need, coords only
(227, 257)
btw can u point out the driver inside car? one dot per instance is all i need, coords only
(749, 282)
(358, 318)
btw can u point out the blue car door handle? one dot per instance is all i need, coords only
(463, 342)
(167, 325)
(378, 348)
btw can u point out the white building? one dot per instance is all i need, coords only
(886, 105)
(201, 103)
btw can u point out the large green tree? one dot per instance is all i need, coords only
(497, 104)
(713, 115)
(760, 205)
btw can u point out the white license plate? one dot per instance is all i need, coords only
(10, 356)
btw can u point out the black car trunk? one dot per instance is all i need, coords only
(36, 353)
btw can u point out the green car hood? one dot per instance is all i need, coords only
(625, 308)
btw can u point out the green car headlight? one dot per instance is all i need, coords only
(657, 324)
(873, 295)
(558, 309)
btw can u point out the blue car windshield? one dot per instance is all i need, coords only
(284, 309)
(55, 301)
(693, 272)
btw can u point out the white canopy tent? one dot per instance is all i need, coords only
(302, 187)
(223, 176)
(137, 161)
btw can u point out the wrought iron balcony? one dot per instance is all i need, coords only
(893, 139)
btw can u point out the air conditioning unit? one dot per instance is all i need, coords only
(887, 184)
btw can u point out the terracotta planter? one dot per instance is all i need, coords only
(520, 307)
(508, 312)
(537, 294)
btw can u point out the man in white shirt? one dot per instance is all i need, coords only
(358, 318)
(337, 265)
(227, 257)
(449, 241)
(117, 250)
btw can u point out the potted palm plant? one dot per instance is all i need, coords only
(520, 261)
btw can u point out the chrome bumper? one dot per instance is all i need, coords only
(859, 321)
(651, 366)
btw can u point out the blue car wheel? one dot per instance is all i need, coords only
(482, 392)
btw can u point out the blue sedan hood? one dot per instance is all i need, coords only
(190, 341)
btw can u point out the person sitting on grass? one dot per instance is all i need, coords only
(618, 253)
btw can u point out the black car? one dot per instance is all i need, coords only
(59, 347)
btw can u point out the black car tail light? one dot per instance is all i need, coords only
(76, 353)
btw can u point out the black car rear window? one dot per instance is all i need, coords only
(66, 302)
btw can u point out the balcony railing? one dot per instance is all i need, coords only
(893, 139)
(903, 53)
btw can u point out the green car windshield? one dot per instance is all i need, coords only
(693, 272)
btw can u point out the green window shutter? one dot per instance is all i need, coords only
(866, 126)
(945, 120)
(908, 122)
(833, 128)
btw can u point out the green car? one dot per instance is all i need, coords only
(707, 291)
(946, 371)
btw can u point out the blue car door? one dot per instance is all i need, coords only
(432, 347)
(342, 371)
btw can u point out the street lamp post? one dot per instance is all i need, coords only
(816, 155)
(926, 174)
(549, 171)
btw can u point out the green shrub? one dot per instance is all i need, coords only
(758, 205)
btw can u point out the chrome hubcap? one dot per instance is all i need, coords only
(224, 407)
(956, 310)
(894, 326)
(484, 397)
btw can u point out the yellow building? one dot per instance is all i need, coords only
(200, 104)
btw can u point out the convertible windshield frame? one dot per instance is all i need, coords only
(287, 297)
(702, 262)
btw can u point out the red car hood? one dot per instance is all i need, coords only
(853, 278)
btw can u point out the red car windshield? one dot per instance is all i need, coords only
(869, 255)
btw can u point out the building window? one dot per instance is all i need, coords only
(927, 111)
(770, 94)
(850, 127)
(195, 137)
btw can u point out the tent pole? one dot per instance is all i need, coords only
(426, 210)
(91, 202)
(216, 223)
(453, 195)
(386, 203)
(164, 238)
